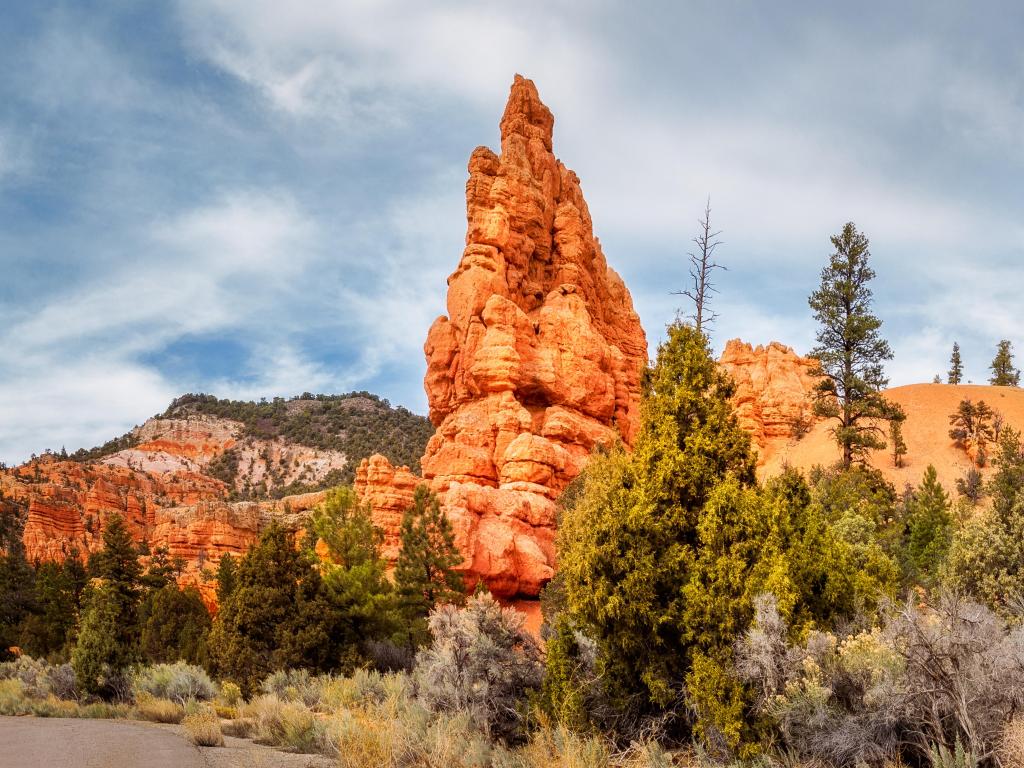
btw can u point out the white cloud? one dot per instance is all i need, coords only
(213, 268)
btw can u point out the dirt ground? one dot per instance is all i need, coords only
(29, 742)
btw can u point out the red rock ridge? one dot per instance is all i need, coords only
(774, 387)
(537, 361)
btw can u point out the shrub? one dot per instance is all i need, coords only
(287, 724)
(482, 662)
(295, 685)
(362, 688)
(158, 710)
(1011, 743)
(34, 675)
(203, 729)
(230, 693)
(179, 682)
(62, 682)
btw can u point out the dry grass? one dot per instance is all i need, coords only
(203, 729)
(1011, 743)
(158, 710)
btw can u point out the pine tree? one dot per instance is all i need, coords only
(354, 582)
(17, 583)
(956, 369)
(159, 570)
(1003, 372)
(57, 598)
(117, 565)
(929, 529)
(101, 658)
(971, 428)
(899, 446)
(850, 350)
(425, 574)
(175, 625)
(247, 634)
(226, 577)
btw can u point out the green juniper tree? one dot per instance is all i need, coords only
(425, 574)
(662, 551)
(929, 527)
(226, 577)
(1003, 372)
(956, 368)
(175, 625)
(850, 350)
(897, 416)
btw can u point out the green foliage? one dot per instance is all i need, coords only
(125, 441)
(358, 424)
(566, 685)
(1003, 372)
(971, 428)
(929, 529)
(956, 368)
(16, 577)
(58, 591)
(662, 554)
(850, 350)
(252, 625)
(361, 600)
(899, 446)
(227, 577)
(425, 574)
(175, 625)
(986, 559)
(288, 610)
(102, 657)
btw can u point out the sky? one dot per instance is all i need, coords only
(253, 198)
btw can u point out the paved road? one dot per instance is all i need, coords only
(29, 742)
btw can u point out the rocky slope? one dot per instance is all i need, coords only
(537, 361)
(178, 480)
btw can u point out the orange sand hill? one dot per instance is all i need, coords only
(926, 433)
(774, 389)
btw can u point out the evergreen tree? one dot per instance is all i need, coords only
(354, 581)
(986, 559)
(1003, 372)
(101, 658)
(956, 369)
(57, 595)
(628, 543)
(899, 446)
(117, 565)
(929, 529)
(159, 570)
(425, 574)
(850, 350)
(17, 585)
(247, 634)
(175, 625)
(226, 577)
(661, 553)
(971, 428)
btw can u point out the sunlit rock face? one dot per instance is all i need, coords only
(538, 360)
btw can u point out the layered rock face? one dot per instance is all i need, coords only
(537, 361)
(774, 387)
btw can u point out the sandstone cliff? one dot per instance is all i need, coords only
(537, 361)
(774, 387)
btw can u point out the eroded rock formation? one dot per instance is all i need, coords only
(537, 361)
(774, 387)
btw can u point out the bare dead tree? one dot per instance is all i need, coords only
(702, 266)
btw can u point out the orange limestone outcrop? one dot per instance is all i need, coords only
(537, 361)
(774, 392)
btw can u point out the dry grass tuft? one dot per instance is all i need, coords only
(203, 728)
(158, 710)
